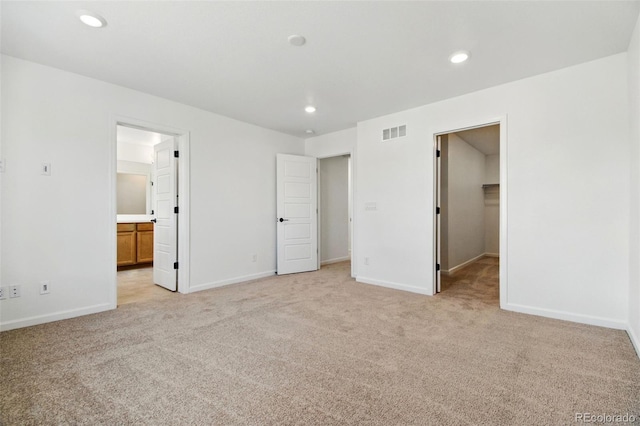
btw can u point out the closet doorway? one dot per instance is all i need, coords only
(468, 213)
(334, 210)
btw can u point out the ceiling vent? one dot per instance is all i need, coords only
(394, 132)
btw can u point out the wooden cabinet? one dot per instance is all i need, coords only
(135, 243)
(144, 242)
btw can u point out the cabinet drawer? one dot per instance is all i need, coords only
(126, 227)
(145, 226)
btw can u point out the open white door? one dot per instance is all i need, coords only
(297, 211)
(438, 190)
(165, 231)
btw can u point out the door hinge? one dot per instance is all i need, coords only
(151, 183)
(175, 265)
(176, 154)
(152, 212)
(437, 153)
(437, 267)
(176, 209)
(437, 210)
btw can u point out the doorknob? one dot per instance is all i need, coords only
(283, 220)
(154, 220)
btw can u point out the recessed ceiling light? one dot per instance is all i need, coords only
(310, 109)
(296, 40)
(459, 57)
(91, 19)
(309, 131)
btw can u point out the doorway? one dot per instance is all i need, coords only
(468, 226)
(148, 253)
(335, 219)
(299, 208)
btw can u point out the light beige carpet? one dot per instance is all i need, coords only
(317, 349)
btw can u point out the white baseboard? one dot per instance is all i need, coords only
(567, 316)
(336, 260)
(397, 286)
(55, 316)
(635, 340)
(456, 268)
(229, 281)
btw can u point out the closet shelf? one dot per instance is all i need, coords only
(490, 185)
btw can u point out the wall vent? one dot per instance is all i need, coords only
(394, 132)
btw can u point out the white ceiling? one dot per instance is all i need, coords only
(485, 139)
(362, 59)
(139, 137)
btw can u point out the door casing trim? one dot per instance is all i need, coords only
(183, 143)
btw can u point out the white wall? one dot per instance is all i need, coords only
(566, 255)
(492, 205)
(331, 144)
(492, 169)
(56, 228)
(135, 152)
(492, 221)
(634, 234)
(465, 203)
(334, 209)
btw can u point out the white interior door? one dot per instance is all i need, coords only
(297, 213)
(438, 266)
(165, 231)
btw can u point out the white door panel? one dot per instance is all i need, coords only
(297, 203)
(165, 231)
(297, 231)
(297, 211)
(297, 190)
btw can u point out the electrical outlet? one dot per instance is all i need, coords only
(44, 287)
(254, 258)
(366, 261)
(3, 292)
(14, 291)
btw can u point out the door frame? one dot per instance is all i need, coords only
(438, 215)
(352, 155)
(351, 198)
(183, 143)
(502, 121)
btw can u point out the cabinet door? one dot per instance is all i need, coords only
(126, 248)
(145, 246)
